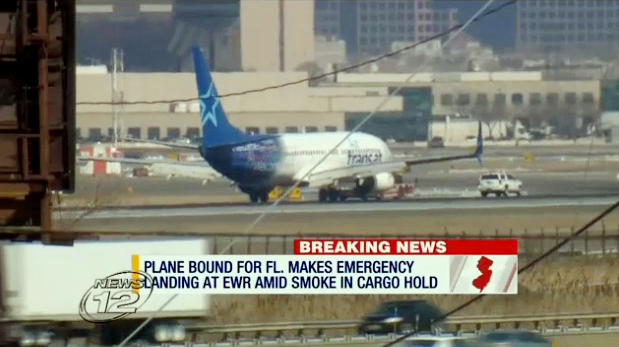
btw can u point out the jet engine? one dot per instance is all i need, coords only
(384, 181)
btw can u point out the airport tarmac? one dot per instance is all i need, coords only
(414, 221)
(565, 178)
(559, 194)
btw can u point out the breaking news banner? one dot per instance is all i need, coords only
(341, 266)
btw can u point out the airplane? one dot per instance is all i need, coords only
(258, 163)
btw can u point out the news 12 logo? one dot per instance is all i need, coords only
(116, 296)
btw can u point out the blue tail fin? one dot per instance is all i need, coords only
(479, 151)
(216, 128)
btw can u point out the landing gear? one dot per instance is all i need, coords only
(322, 195)
(334, 194)
(253, 197)
(256, 196)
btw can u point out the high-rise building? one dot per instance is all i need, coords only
(276, 35)
(371, 26)
(546, 25)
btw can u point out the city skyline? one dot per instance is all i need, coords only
(567, 26)
(154, 37)
(370, 27)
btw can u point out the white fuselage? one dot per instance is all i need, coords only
(301, 152)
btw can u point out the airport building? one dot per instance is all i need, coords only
(427, 99)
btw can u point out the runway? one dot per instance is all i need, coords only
(409, 220)
(566, 178)
(560, 194)
(344, 207)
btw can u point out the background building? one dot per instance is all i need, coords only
(236, 35)
(500, 97)
(156, 35)
(276, 35)
(568, 26)
(370, 27)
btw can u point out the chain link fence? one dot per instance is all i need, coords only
(600, 241)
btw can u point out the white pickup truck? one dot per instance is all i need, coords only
(499, 183)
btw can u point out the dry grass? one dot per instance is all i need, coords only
(89, 203)
(128, 199)
(568, 285)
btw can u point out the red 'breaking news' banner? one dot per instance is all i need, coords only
(407, 246)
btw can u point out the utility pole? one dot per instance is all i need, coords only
(117, 66)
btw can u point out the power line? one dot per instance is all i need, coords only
(459, 28)
(308, 79)
(523, 269)
(357, 127)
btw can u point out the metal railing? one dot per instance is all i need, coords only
(600, 241)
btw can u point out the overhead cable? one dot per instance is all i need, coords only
(311, 78)
(521, 270)
(458, 30)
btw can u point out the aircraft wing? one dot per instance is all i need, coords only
(198, 169)
(146, 161)
(479, 151)
(166, 144)
(420, 161)
(328, 176)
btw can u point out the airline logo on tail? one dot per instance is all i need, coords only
(209, 113)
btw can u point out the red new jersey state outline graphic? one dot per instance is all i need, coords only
(483, 265)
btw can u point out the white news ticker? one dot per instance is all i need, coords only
(340, 274)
